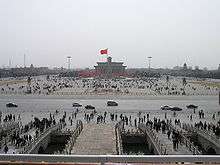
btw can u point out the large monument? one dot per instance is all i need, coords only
(110, 69)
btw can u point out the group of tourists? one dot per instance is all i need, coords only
(201, 114)
(44, 123)
(101, 118)
(176, 138)
(9, 118)
(88, 116)
(209, 127)
(20, 140)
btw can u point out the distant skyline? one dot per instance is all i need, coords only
(172, 32)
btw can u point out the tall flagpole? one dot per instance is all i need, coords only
(149, 61)
(108, 65)
(107, 56)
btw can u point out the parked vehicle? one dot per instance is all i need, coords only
(76, 105)
(89, 107)
(10, 105)
(176, 109)
(112, 103)
(166, 107)
(191, 106)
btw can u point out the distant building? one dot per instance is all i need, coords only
(219, 67)
(109, 69)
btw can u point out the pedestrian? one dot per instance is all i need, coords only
(213, 116)
(148, 116)
(174, 140)
(0, 116)
(6, 149)
(168, 134)
(191, 117)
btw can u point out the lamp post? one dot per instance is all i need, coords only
(68, 57)
(24, 61)
(149, 61)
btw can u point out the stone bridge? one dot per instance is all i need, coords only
(41, 142)
(209, 142)
(95, 139)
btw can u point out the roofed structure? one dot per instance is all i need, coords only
(110, 69)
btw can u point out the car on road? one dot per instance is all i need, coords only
(166, 107)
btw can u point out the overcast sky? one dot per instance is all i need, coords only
(171, 31)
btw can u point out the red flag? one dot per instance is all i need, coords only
(104, 51)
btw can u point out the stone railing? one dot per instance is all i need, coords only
(75, 134)
(206, 134)
(11, 92)
(209, 136)
(158, 144)
(118, 131)
(132, 132)
(29, 146)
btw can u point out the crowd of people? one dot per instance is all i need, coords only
(212, 128)
(155, 123)
(151, 86)
(9, 118)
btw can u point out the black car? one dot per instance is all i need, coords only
(166, 107)
(112, 103)
(192, 106)
(76, 105)
(89, 107)
(10, 105)
(176, 109)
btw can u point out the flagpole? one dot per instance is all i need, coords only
(107, 56)
(108, 67)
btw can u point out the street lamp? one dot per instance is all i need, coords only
(68, 57)
(149, 61)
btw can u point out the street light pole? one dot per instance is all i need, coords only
(68, 57)
(149, 61)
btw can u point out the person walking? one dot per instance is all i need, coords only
(6, 149)
(168, 134)
(0, 116)
(174, 143)
(135, 122)
(213, 116)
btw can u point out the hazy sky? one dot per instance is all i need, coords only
(171, 31)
